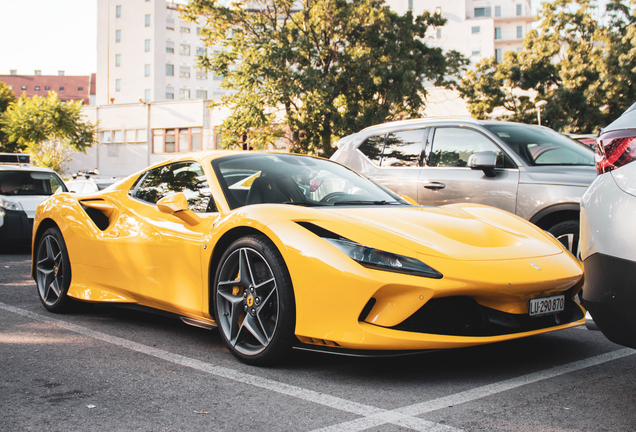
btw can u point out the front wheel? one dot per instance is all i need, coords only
(53, 271)
(254, 301)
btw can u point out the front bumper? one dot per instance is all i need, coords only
(609, 293)
(16, 228)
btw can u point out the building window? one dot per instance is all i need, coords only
(201, 75)
(519, 9)
(482, 11)
(198, 30)
(184, 29)
(106, 137)
(170, 49)
(47, 88)
(218, 77)
(497, 11)
(78, 89)
(176, 140)
(37, 88)
(475, 29)
(519, 32)
(147, 95)
(169, 70)
(169, 95)
(439, 33)
(184, 74)
(61, 88)
(117, 85)
(410, 4)
(147, 45)
(184, 49)
(147, 20)
(498, 55)
(476, 52)
(24, 88)
(117, 35)
(117, 60)
(170, 23)
(147, 70)
(184, 94)
(202, 94)
(497, 33)
(118, 11)
(202, 51)
(117, 136)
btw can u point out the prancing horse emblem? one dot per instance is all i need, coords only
(535, 266)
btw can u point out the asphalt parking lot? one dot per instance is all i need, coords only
(104, 368)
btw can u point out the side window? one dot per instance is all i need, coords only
(453, 146)
(372, 148)
(403, 149)
(186, 177)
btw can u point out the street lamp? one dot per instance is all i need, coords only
(540, 105)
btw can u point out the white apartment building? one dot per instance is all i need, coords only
(476, 28)
(145, 52)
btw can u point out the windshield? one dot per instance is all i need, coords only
(539, 146)
(29, 183)
(296, 180)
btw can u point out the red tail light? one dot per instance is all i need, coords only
(615, 149)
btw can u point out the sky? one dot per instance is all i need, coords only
(53, 35)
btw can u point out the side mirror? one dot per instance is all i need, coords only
(485, 161)
(177, 205)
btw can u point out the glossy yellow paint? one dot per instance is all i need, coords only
(162, 257)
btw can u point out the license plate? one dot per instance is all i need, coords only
(546, 305)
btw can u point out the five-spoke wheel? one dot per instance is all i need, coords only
(53, 271)
(253, 301)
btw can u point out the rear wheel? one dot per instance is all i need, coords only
(567, 232)
(254, 301)
(53, 271)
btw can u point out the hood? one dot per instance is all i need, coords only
(29, 203)
(558, 175)
(469, 232)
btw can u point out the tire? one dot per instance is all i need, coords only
(53, 272)
(567, 232)
(254, 302)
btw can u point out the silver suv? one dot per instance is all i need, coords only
(531, 171)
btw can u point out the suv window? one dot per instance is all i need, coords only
(186, 177)
(372, 148)
(20, 182)
(453, 146)
(542, 146)
(403, 148)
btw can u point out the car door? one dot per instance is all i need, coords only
(400, 156)
(164, 251)
(446, 178)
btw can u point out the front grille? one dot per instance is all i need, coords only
(463, 316)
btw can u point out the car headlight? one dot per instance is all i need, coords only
(10, 205)
(380, 260)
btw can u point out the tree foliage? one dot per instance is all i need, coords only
(318, 69)
(6, 98)
(584, 67)
(47, 128)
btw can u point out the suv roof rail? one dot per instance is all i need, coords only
(15, 158)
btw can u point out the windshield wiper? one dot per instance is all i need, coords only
(383, 202)
(302, 203)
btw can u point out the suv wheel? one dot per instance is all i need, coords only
(567, 232)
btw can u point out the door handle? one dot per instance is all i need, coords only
(434, 185)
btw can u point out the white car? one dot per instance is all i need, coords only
(85, 184)
(22, 188)
(608, 233)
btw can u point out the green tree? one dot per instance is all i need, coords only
(6, 98)
(582, 66)
(47, 128)
(320, 69)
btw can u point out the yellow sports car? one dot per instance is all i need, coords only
(285, 251)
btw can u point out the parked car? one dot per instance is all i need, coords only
(86, 183)
(608, 233)
(531, 171)
(286, 251)
(22, 188)
(587, 139)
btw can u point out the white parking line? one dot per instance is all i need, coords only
(371, 416)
